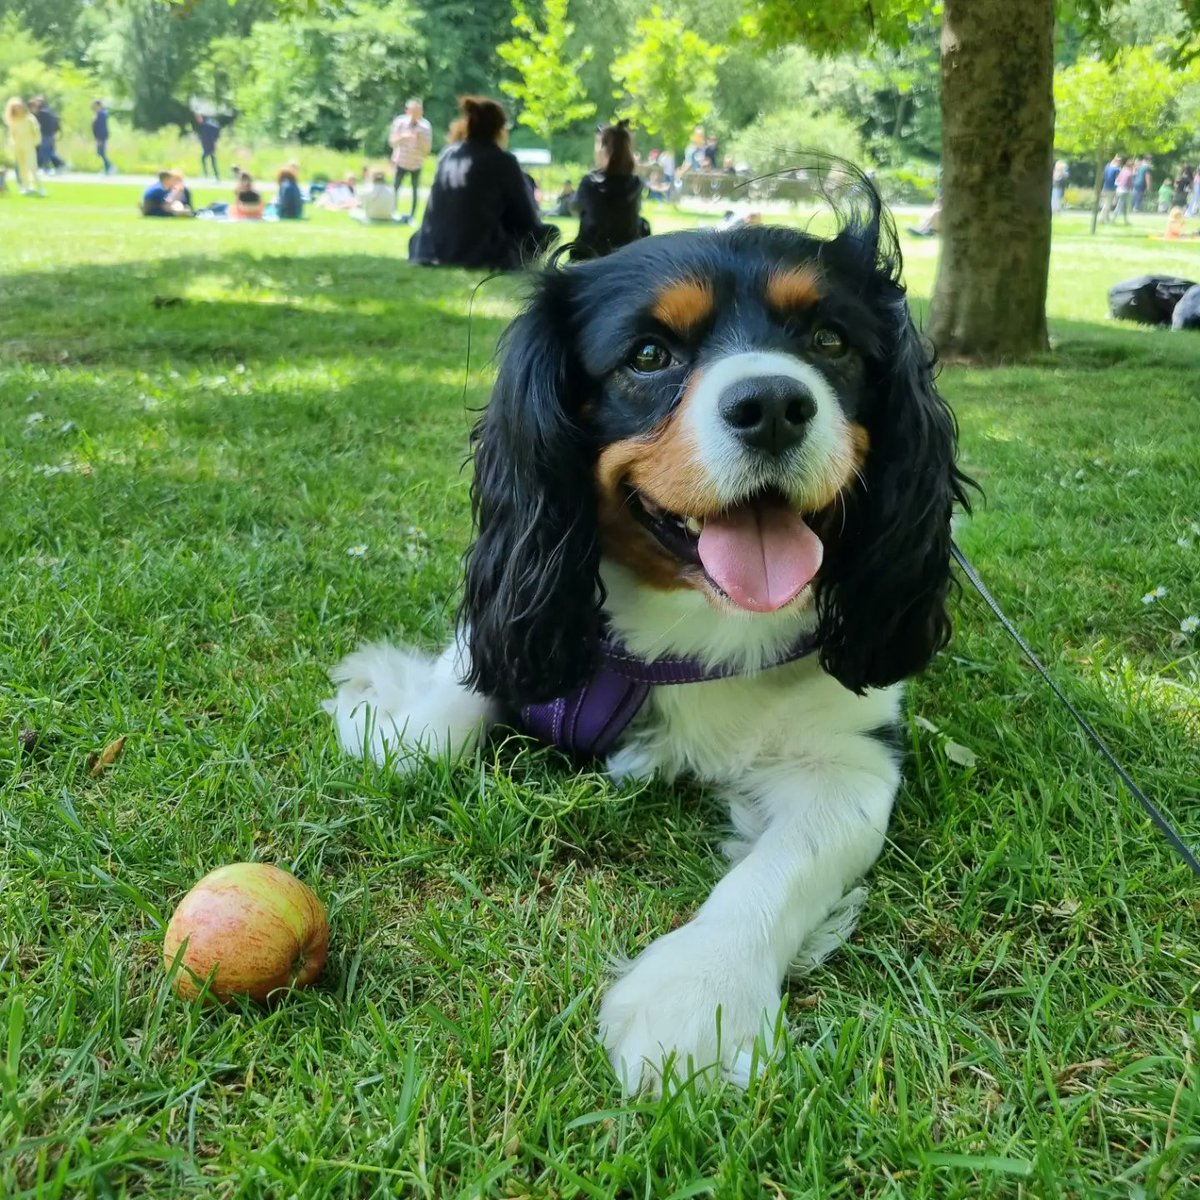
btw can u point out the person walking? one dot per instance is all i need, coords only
(100, 134)
(209, 133)
(1124, 191)
(1058, 186)
(411, 139)
(25, 135)
(48, 127)
(1142, 182)
(1108, 197)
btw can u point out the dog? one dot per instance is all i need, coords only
(716, 480)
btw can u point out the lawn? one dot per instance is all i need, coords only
(198, 423)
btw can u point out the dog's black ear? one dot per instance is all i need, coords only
(531, 607)
(882, 599)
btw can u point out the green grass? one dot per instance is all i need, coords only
(1016, 1016)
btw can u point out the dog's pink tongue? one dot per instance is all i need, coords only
(760, 555)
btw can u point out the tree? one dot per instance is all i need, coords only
(989, 299)
(460, 46)
(335, 80)
(1125, 105)
(548, 86)
(666, 78)
(153, 51)
(997, 67)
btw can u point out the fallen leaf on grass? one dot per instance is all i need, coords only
(964, 756)
(97, 763)
(1093, 1064)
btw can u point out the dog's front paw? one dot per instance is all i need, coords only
(692, 1004)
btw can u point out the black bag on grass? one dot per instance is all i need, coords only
(1148, 299)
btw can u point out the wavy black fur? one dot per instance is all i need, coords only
(882, 593)
(531, 606)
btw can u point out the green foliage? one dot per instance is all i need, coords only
(1108, 27)
(835, 28)
(666, 78)
(29, 68)
(459, 39)
(1126, 106)
(57, 23)
(336, 81)
(154, 57)
(18, 44)
(548, 87)
(789, 137)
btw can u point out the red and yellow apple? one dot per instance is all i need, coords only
(249, 929)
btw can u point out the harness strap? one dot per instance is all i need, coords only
(586, 722)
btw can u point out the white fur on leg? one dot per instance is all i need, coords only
(680, 1009)
(400, 704)
(787, 894)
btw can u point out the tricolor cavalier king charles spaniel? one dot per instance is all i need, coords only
(712, 448)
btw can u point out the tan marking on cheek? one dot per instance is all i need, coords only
(685, 305)
(663, 467)
(796, 287)
(665, 464)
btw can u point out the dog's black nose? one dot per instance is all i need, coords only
(769, 413)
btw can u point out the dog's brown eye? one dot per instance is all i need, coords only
(829, 342)
(650, 357)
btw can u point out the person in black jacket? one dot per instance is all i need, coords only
(480, 211)
(209, 133)
(50, 125)
(609, 199)
(100, 133)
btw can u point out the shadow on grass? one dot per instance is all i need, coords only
(240, 306)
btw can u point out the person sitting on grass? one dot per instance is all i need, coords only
(480, 211)
(377, 204)
(562, 206)
(609, 199)
(167, 197)
(1165, 193)
(289, 201)
(657, 186)
(247, 202)
(340, 195)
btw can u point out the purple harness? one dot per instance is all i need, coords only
(586, 722)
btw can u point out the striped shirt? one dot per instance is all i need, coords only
(410, 142)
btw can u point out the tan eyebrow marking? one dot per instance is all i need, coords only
(685, 305)
(796, 287)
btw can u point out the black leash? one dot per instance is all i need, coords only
(1152, 811)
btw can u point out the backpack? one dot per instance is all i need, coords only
(1148, 299)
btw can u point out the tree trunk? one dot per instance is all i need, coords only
(989, 302)
(1097, 184)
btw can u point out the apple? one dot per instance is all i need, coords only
(250, 926)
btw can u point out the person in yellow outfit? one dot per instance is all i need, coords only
(25, 134)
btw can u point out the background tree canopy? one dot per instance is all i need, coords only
(856, 78)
